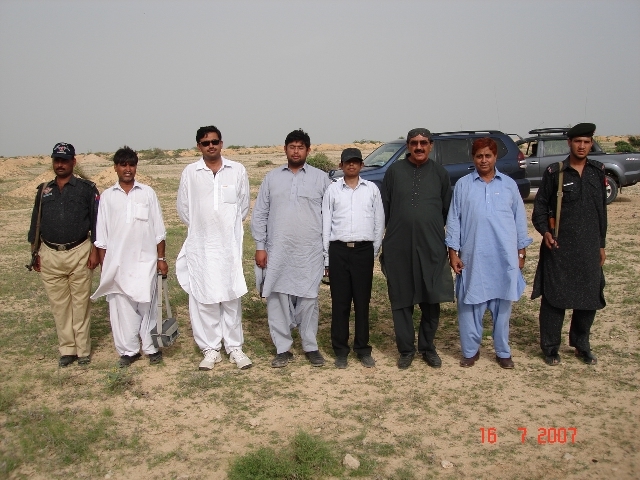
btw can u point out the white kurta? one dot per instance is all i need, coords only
(209, 265)
(129, 228)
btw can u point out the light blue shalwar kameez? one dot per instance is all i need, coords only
(487, 226)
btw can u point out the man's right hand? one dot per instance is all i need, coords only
(261, 258)
(36, 264)
(549, 241)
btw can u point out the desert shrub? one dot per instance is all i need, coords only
(634, 141)
(177, 152)
(235, 147)
(264, 163)
(367, 141)
(321, 161)
(623, 147)
(151, 154)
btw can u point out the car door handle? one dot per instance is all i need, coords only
(533, 163)
(470, 168)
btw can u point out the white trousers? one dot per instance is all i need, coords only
(131, 322)
(286, 312)
(213, 323)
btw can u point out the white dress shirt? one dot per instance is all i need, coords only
(352, 215)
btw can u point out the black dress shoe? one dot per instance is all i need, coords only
(126, 360)
(66, 360)
(341, 361)
(405, 360)
(432, 358)
(587, 357)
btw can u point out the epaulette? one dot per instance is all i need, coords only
(88, 182)
(597, 164)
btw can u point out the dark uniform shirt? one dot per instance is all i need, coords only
(571, 276)
(416, 201)
(68, 215)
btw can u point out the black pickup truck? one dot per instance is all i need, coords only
(549, 145)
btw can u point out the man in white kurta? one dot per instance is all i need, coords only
(213, 200)
(130, 237)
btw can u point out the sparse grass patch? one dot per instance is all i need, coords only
(307, 457)
(117, 380)
(264, 163)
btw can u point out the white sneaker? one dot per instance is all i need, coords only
(238, 357)
(211, 357)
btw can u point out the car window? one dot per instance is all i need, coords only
(381, 155)
(502, 148)
(454, 151)
(556, 147)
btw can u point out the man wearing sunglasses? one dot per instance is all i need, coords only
(416, 194)
(213, 200)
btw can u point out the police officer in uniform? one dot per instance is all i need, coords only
(67, 255)
(569, 273)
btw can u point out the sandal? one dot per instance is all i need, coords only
(587, 357)
(552, 360)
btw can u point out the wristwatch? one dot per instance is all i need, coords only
(522, 255)
(162, 259)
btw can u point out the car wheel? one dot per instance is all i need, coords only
(612, 189)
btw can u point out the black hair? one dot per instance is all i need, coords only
(203, 131)
(125, 155)
(298, 136)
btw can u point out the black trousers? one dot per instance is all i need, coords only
(551, 319)
(406, 333)
(350, 276)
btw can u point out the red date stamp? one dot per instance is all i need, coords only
(546, 435)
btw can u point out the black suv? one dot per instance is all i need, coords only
(453, 151)
(549, 145)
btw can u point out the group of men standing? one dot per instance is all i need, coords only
(305, 227)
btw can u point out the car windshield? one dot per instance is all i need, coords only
(382, 155)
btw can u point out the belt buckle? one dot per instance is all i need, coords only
(62, 248)
(351, 244)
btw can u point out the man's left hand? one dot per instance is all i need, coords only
(603, 256)
(94, 258)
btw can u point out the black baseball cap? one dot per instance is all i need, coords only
(350, 154)
(63, 150)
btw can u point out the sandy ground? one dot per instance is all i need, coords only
(407, 422)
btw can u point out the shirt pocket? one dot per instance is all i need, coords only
(570, 192)
(141, 211)
(228, 193)
(502, 202)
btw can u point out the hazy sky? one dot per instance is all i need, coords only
(101, 74)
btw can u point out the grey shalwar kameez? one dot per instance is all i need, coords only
(287, 223)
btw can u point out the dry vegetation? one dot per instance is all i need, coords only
(173, 421)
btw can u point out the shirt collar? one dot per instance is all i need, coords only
(475, 175)
(201, 165)
(303, 167)
(135, 185)
(360, 182)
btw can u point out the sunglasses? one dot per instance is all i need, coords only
(206, 143)
(422, 143)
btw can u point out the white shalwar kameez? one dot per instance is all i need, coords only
(129, 228)
(209, 265)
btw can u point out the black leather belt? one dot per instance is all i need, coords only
(353, 244)
(61, 247)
